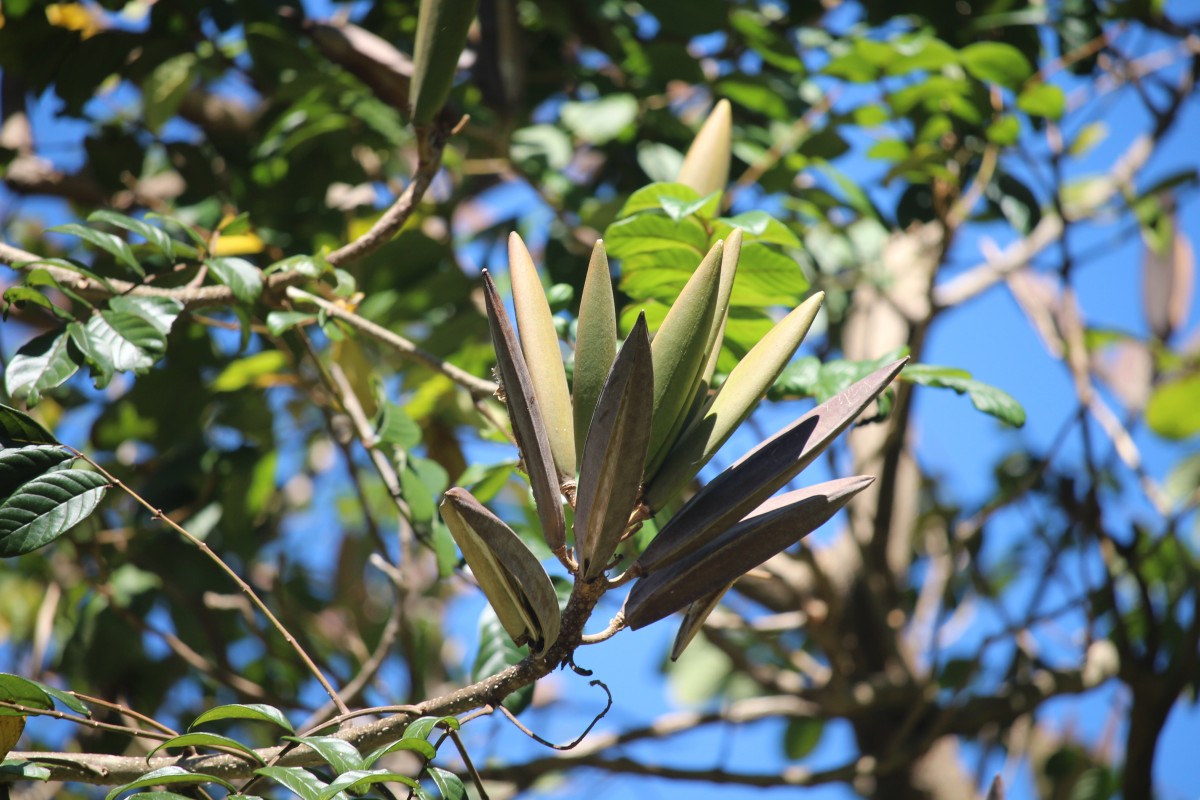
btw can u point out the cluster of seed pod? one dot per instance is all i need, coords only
(631, 434)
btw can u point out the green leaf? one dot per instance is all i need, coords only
(250, 711)
(602, 120)
(161, 312)
(759, 226)
(337, 753)
(1004, 131)
(297, 780)
(397, 428)
(101, 364)
(107, 242)
(168, 776)
(987, 399)
(648, 232)
(17, 427)
(206, 740)
(496, 653)
(418, 744)
(40, 364)
(250, 371)
(996, 62)
(801, 736)
(448, 784)
(243, 278)
(1173, 410)
(24, 770)
(359, 779)
(20, 296)
(164, 89)
(156, 237)
(1043, 100)
(660, 196)
(309, 266)
(66, 698)
(47, 507)
(24, 692)
(278, 322)
(128, 342)
(421, 727)
(64, 263)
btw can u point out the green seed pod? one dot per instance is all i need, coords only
(595, 343)
(441, 34)
(706, 165)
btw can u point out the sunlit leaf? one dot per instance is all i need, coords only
(47, 507)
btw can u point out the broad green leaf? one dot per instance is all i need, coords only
(739, 395)
(99, 361)
(44, 278)
(42, 363)
(165, 87)
(128, 342)
(541, 147)
(168, 776)
(252, 371)
(767, 277)
(278, 322)
(1173, 411)
(658, 196)
(527, 421)
(156, 237)
(66, 698)
(109, 243)
(414, 744)
(448, 784)
(995, 62)
(648, 232)
(24, 692)
(10, 733)
(1004, 131)
(497, 652)
(297, 780)
(310, 266)
(337, 753)
(23, 770)
(17, 427)
(543, 357)
(421, 727)
(595, 343)
(508, 573)
(47, 507)
(161, 312)
(21, 296)
(206, 740)
(1043, 100)
(397, 428)
(602, 120)
(359, 779)
(759, 226)
(802, 736)
(679, 350)
(706, 165)
(761, 472)
(421, 481)
(987, 399)
(771, 528)
(250, 711)
(617, 441)
(243, 278)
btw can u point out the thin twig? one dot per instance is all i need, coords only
(84, 721)
(513, 719)
(216, 559)
(127, 711)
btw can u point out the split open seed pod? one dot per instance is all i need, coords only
(761, 472)
(515, 584)
(610, 476)
(527, 420)
(738, 549)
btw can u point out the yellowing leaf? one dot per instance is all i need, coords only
(74, 17)
(244, 244)
(10, 732)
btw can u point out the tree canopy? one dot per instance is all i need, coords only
(374, 373)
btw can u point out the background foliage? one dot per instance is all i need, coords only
(913, 167)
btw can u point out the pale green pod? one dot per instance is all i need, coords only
(706, 165)
(760, 473)
(516, 586)
(679, 351)
(539, 345)
(737, 550)
(527, 422)
(609, 480)
(744, 387)
(595, 343)
(442, 27)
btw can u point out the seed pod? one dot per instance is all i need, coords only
(744, 387)
(679, 351)
(706, 165)
(762, 472)
(693, 620)
(527, 422)
(739, 549)
(539, 345)
(515, 584)
(442, 27)
(609, 481)
(595, 343)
